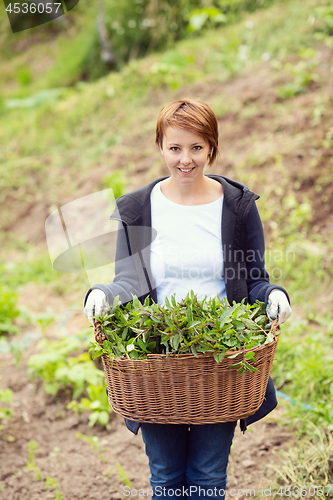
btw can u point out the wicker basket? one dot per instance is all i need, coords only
(185, 389)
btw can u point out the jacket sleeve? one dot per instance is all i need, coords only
(129, 274)
(258, 283)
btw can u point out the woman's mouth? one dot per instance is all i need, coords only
(186, 170)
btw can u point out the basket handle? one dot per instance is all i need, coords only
(275, 327)
(99, 335)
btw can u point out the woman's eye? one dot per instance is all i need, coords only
(197, 148)
(174, 148)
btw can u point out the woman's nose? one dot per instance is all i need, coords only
(186, 158)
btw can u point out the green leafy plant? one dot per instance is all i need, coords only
(189, 326)
(17, 347)
(309, 466)
(116, 182)
(57, 368)
(122, 475)
(303, 73)
(92, 440)
(305, 372)
(325, 14)
(33, 448)
(8, 310)
(96, 402)
(198, 18)
(6, 396)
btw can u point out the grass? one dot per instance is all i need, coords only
(307, 470)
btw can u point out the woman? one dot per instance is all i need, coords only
(210, 240)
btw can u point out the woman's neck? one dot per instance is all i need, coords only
(203, 190)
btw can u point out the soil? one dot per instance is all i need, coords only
(102, 468)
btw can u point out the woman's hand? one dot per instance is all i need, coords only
(278, 306)
(96, 304)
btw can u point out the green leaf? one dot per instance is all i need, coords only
(168, 322)
(141, 344)
(221, 356)
(252, 325)
(194, 351)
(103, 417)
(232, 356)
(269, 338)
(249, 355)
(193, 323)
(175, 341)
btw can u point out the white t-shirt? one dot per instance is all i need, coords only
(187, 252)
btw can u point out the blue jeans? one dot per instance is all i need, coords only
(188, 461)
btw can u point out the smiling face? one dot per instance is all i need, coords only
(185, 154)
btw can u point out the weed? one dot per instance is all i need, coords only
(122, 475)
(310, 464)
(116, 182)
(33, 448)
(305, 369)
(44, 320)
(51, 484)
(97, 402)
(17, 347)
(8, 310)
(58, 369)
(93, 441)
(303, 73)
(6, 396)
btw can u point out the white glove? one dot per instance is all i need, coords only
(96, 305)
(278, 306)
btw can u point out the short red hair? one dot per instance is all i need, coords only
(192, 115)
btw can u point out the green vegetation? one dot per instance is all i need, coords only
(308, 467)
(93, 441)
(8, 310)
(122, 475)
(116, 182)
(33, 448)
(58, 370)
(134, 28)
(50, 484)
(6, 396)
(97, 402)
(188, 326)
(305, 372)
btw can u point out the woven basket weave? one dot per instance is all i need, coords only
(185, 389)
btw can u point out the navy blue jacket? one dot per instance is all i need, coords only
(243, 250)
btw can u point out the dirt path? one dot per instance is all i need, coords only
(101, 467)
